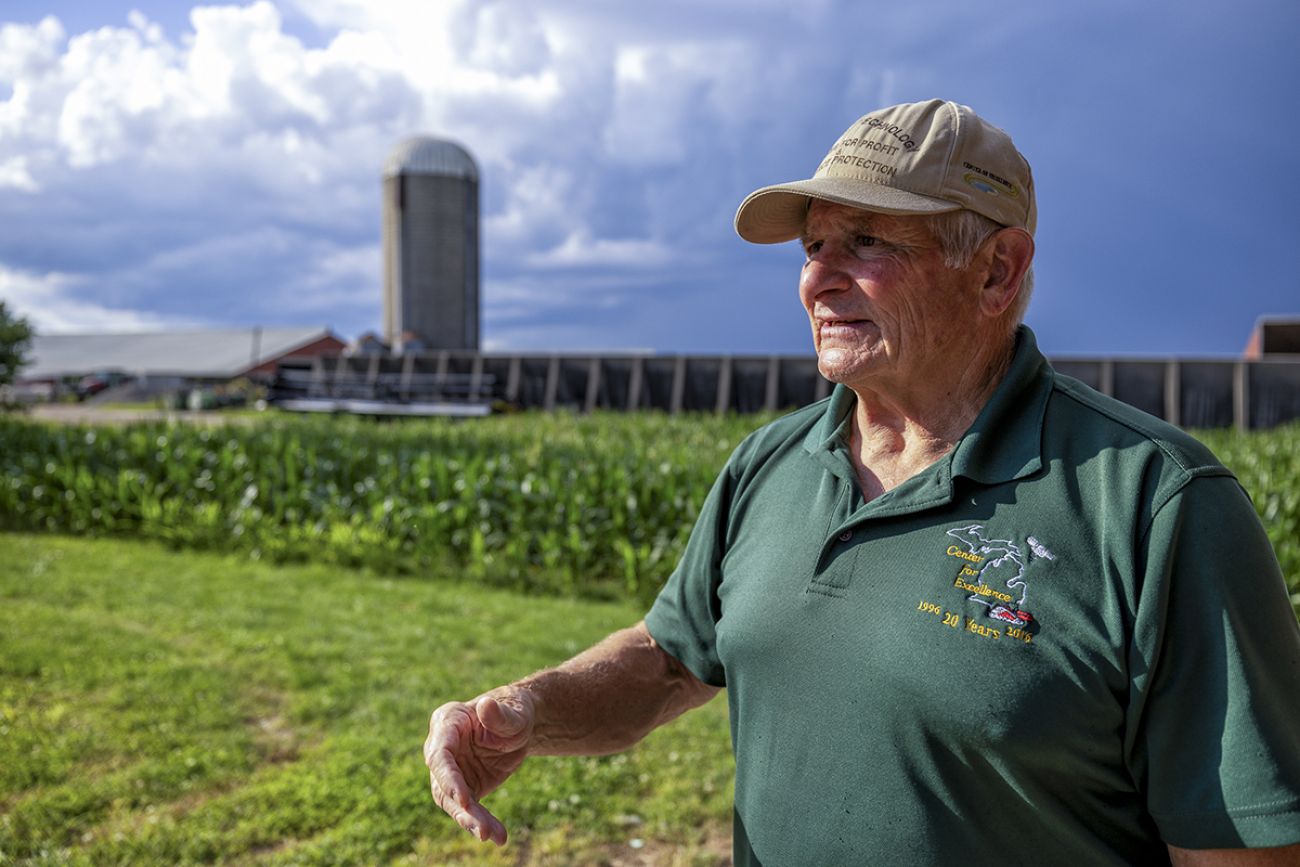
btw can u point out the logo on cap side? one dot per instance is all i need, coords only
(987, 182)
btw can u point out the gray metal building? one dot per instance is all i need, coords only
(431, 253)
(1191, 392)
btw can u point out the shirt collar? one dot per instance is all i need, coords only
(832, 432)
(1004, 443)
(1006, 440)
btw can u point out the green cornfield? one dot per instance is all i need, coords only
(598, 505)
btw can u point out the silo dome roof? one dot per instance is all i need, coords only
(426, 155)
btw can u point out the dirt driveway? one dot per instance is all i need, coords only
(83, 413)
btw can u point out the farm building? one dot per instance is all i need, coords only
(1256, 391)
(1274, 336)
(168, 361)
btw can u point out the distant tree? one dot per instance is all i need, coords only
(15, 340)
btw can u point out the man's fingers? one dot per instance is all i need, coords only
(462, 812)
(473, 817)
(446, 775)
(448, 728)
(454, 729)
(491, 827)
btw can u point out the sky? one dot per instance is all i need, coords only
(165, 166)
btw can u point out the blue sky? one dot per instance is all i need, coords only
(168, 167)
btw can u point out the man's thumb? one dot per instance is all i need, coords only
(500, 719)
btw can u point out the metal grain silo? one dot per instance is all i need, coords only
(431, 245)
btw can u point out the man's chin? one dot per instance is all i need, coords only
(840, 366)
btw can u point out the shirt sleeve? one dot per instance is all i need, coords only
(684, 617)
(1214, 716)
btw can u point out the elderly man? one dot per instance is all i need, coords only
(967, 610)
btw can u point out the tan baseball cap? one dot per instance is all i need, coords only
(916, 158)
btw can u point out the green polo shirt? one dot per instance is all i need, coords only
(1068, 641)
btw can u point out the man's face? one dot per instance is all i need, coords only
(885, 311)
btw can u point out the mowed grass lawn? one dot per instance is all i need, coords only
(160, 708)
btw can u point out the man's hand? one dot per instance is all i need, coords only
(601, 701)
(471, 749)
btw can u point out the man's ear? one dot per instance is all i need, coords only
(1009, 252)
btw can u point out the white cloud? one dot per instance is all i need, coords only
(339, 278)
(129, 95)
(149, 30)
(663, 89)
(14, 174)
(28, 50)
(239, 159)
(580, 250)
(509, 40)
(539, 202)
(48, 303)
(454, 49)
(115, 88)
(242, 98)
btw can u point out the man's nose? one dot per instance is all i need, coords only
(822, 273)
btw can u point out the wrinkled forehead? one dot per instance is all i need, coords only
(830, 218)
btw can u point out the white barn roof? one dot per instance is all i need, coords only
(216, 354)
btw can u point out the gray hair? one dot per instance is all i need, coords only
(960, 235)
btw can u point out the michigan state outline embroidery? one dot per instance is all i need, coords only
(994, 572)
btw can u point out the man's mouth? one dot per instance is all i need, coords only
(831, 327)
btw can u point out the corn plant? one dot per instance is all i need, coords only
(598, 505)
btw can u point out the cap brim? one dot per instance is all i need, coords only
(776, 213)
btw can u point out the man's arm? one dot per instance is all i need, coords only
(603, 700)
(1279, 856)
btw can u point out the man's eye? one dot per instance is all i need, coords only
(864, 241)
(811, 248)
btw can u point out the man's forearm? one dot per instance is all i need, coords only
(609, 696)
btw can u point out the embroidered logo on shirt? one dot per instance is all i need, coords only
(993, 573)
